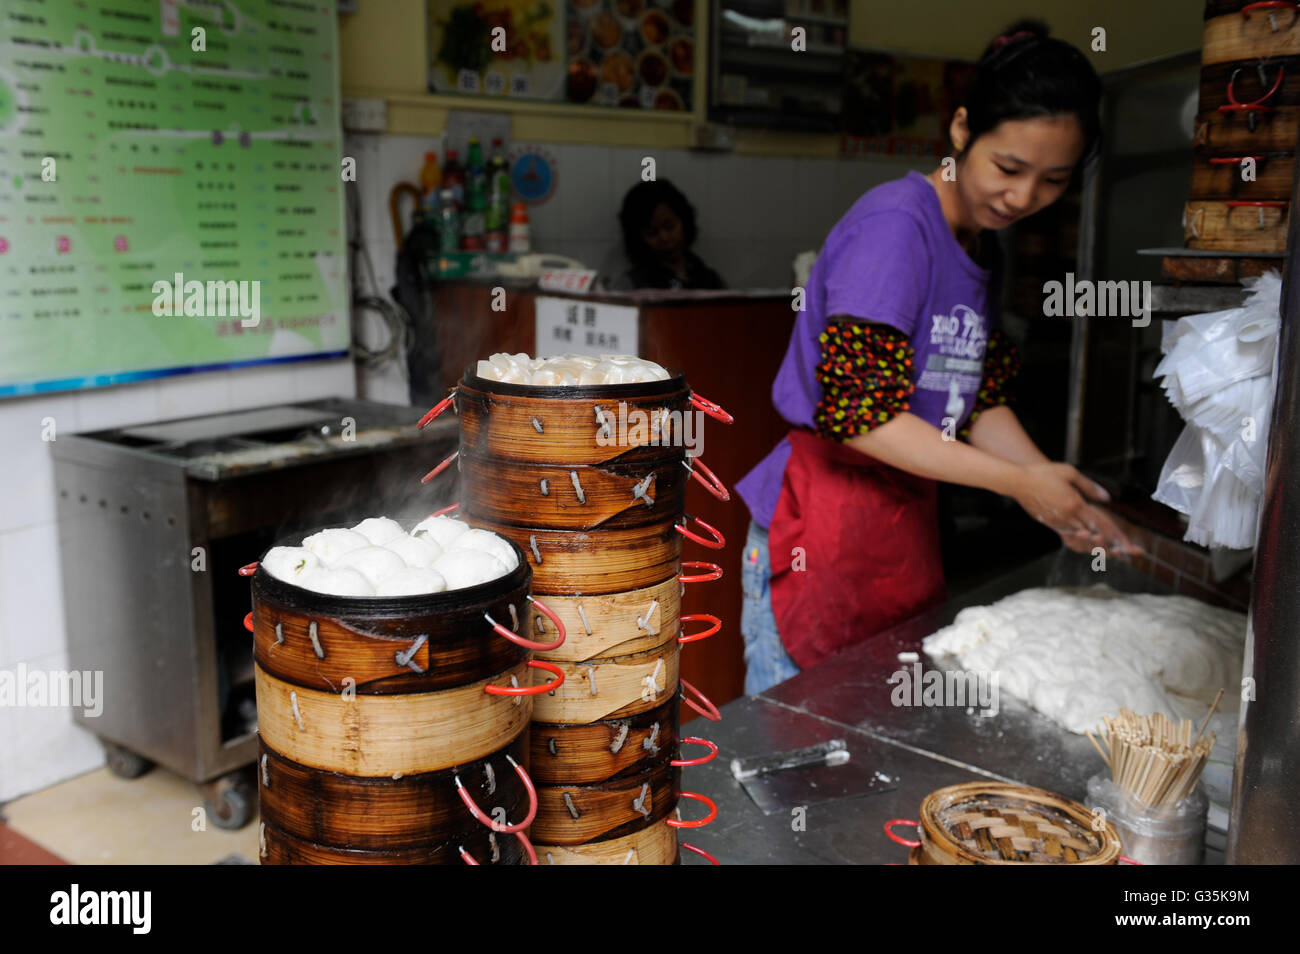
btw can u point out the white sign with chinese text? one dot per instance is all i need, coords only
(568, 325)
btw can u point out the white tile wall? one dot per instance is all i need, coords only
(39, 747)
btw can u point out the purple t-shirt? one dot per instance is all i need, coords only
(892, 260)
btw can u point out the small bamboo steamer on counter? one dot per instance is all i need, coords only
(997, 823)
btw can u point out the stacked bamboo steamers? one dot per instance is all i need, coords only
(1246, 127)
(393, 730)
(597, 507)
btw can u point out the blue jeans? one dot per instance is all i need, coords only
(766, 661)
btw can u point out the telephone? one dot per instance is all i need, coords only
(533, 264)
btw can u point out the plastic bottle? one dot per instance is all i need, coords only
(453, 178)
(498, 211)
(430, 183)
(448, 222)
(520, 234)
(474, 225)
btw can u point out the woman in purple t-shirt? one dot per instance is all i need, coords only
(897, 376)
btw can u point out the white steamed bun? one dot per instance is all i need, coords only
(329, 545)
(289, 563)
(380, 531)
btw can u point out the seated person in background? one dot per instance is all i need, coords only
(658, 231)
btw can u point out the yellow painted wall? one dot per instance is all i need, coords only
(382, 48)
(1136, 30)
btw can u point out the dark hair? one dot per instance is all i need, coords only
(1025, 73)
(639, 207)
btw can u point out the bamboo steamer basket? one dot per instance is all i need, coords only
(1252, 80)
(280, 848)
(566, 496)
(610, 748)
(1221, 178)
(383, 815)
(653, 845)
(579, 562)
(1223, 226)
(1247, 133)
(1249, 34)
(371, 709)
(611, 687)
(996, 823)
(545, 425)
(574, 814)
(614, 624)
(318, 641)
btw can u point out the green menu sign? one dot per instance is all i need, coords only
(170, 188)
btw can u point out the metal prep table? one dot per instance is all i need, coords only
(918, 749)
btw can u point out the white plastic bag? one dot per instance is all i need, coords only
(1218, 373)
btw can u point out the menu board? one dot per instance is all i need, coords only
(173, 196)
(637, 54)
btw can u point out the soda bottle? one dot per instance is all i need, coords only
(430, 182)
(448, 222)
(453, 178)
(474, 225)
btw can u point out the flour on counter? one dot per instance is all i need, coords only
(1077, 654)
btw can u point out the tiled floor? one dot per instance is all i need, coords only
(98, 818)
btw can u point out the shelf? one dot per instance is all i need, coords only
(768, 116)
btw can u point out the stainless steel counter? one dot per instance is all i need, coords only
(918, 749)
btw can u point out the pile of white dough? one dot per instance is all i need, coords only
(378, 558)
(1076, 655)
(569, 369)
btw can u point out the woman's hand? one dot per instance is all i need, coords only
(1057, 496)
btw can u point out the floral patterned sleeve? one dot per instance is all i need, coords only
(865, 375)
(1001, 366)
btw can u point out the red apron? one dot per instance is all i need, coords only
(854, 546)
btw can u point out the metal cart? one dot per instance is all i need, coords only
(154, 522)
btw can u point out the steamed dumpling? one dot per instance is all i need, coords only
(329, 545)
(487, 542)
(441, 530)
(380, 531)
(289, 563)
(553, 377)
(411, 581)
(415, 551)
(374, 563)
(344, 582)
(468, 568)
